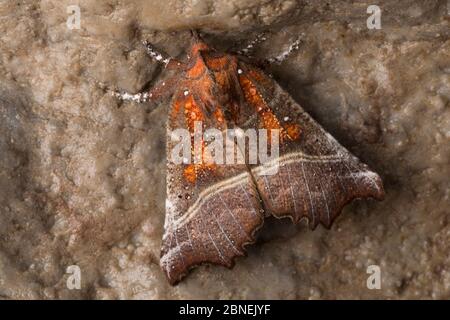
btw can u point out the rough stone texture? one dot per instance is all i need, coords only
(82, 176)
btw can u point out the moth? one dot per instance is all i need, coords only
(213, 210)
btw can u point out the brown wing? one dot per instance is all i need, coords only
(209, 218)
(315, 176)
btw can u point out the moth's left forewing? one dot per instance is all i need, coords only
(314, 176)
(209, 217)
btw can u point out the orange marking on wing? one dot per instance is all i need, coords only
(193, 171)
(217, 64)
(192, 113)
(268, 118)
(197, 69)
(222, 80)
(176, 107)
(190, 173)
(258, 76)
(293, 130)
(203, 89)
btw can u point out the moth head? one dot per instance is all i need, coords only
(198, 45)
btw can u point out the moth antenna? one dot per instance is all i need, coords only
(248, 49)
(155, 54)
(125, 96)
(158, 92)
(285, 54)
(121, 95)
